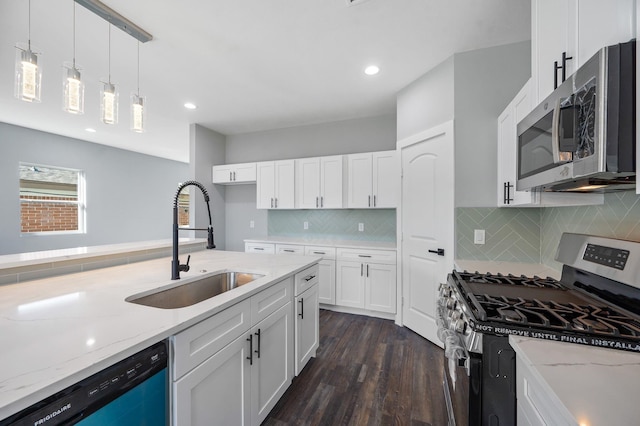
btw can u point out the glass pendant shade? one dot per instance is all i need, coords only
(109, 103)
(138, 113)
(28, 75)
(73, 89)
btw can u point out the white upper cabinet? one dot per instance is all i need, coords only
(319, 182)
(507, 147)
(275, 184)
(230, 174)
(372, 180)
(577, 28)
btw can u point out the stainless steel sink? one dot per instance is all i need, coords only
(195, 291)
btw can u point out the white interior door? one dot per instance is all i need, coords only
(427, 224)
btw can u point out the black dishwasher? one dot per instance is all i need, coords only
(132, 392)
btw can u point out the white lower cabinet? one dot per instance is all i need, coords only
(366, 280)
(327, 284)
(272, 368)
(307, 314)
(217, 392)
(536, 404)
(229, 370)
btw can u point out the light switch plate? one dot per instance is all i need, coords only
(252, 224)
(478, 236)
(361, 227)
(305, 225)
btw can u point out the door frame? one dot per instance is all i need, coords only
(443, 128)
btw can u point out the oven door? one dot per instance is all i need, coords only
(462, 384)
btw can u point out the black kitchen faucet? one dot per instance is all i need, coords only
(176, 267)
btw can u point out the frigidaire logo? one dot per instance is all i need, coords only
(51, 415)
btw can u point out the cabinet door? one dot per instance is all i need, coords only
(219, 389)
(307, 327)
(602, 23)
(222, 174)
(272, 368)
(308, 183)
(552, 27)
(244, 172)
(265, 185)
(327, 284)
(386, 179)
(284, 184)
(380, 287)
(359, 180)
(350, 284)
(331, 182)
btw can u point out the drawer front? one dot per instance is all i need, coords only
(325, 252)
(194, 345)
(289, 249)
(367, 255)
(307, 278)
(270, 300)
(259, 248)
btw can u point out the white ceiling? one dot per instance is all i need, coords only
(248, 65)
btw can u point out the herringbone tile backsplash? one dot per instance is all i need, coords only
(533, 234)
(379, 224)
(618, 217)
(511, 235)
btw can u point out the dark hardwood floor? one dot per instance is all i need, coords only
(368, 371)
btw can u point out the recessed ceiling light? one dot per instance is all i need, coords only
(90, 130)
(371, 70)
(190, 105)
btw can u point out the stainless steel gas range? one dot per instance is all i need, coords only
(596, 302)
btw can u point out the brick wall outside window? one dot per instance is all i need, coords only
(47, 216)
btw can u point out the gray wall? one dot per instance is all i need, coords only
(426, 102)
(341, 137)
(206, 149)
(486, 80)
(338, 137)
(128, 194)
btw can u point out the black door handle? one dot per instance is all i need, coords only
(439, 252)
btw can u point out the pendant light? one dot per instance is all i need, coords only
(138, 105)
(28, 76)
(73, 87)
(109, 96)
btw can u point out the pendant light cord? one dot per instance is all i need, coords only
(109, 53)
(138, 69)
(74, 34)
(29, 39)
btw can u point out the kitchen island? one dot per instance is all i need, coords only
(62, 329)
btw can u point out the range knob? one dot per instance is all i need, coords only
(459, 325)
(455, 315)
(451, 303)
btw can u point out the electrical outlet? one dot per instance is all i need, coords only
(478, 236)
(252, 224)
(306, 225)
(361, 227)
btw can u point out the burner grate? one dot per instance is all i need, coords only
(581, 319)
(510, 279)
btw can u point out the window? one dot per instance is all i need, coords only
(183, 208)
(52, 199)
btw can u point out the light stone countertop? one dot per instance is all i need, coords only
(386, 245)
(20, 260)
(59, 330)
(597, 386)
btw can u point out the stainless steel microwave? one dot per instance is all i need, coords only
(582, 136)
